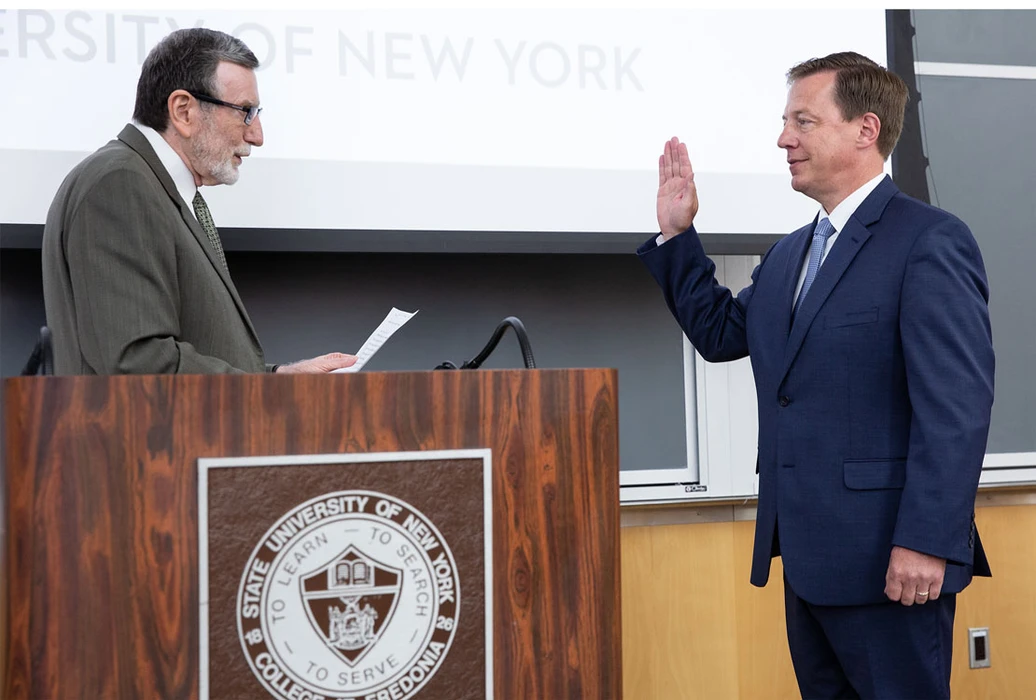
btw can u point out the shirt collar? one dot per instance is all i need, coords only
(840, 216)
(173, 163)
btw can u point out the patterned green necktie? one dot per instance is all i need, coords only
(201, 210)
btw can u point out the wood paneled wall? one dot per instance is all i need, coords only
(693, 627)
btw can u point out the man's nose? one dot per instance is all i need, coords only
(254, 132)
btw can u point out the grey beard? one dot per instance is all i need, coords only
(225, 172)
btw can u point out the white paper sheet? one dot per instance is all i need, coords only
(392, 323)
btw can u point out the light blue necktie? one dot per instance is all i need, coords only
(822, 232)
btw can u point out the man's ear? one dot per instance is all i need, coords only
(181, 117)
(870, 129)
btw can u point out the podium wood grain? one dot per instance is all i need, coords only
(102, 518)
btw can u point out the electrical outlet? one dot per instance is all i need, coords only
(978, 647)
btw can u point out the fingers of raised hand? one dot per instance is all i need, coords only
(675, 148)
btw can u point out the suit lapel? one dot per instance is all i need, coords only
(793, 266)
(132, 137)
(850, 241)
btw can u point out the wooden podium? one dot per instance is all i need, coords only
(101, 538)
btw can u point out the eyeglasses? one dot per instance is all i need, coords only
(250, 112)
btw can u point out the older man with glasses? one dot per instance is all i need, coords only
(134, 276)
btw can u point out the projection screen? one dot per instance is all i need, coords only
(446, 120)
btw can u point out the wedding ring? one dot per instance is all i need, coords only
(923, 594)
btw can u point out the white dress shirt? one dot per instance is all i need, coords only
(173, 164)
(838, 218)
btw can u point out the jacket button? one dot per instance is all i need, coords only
(783, 401)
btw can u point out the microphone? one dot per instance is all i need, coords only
(523, 341)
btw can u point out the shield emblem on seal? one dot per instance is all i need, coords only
(350, 601)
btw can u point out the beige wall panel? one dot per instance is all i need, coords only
(764, 662)
(678, 608)
(695, 629)
(1006, 604)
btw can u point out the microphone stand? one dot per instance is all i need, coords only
(42, 357)
(523, 341)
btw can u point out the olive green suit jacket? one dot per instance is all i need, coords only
(130, 282)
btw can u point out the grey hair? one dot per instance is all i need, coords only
(185, 60)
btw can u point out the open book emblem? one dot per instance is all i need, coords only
(350, 602)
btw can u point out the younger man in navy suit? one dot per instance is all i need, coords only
(869, 335)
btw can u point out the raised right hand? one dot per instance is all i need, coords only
(677, 195)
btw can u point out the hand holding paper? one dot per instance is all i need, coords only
(392, 323)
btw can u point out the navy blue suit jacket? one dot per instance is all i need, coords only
(874, 401)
